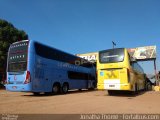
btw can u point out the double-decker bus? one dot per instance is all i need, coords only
(118, 71)
(37, 68)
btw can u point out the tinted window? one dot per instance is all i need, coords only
(51, 53)
(111, 56)
(17, 66)
(17, 58)
(54, 54)
(137, 67)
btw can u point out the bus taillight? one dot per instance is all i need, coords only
(28, 78)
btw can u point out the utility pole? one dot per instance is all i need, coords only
(156, 75)
(114, 44)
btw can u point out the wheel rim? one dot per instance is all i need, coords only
(65, 88)
(55, 89)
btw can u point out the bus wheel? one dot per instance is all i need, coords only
(135, 89)
(65, 88)
(149, 86)
(92, 87)
(56, 89)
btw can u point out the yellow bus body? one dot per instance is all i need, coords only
(119, 75)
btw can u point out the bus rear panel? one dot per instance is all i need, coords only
(113, 70)
(18, 78)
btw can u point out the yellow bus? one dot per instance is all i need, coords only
(118, 71)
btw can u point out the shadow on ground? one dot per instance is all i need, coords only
(69, 92)
(126, 94)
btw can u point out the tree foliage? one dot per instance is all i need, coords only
(8, 35)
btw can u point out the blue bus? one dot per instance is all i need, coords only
(35, 67)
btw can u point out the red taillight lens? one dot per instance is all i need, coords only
(28, 78)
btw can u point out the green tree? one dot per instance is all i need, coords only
(8, 35)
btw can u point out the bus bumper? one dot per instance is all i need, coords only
(16, 88)
(126, 86)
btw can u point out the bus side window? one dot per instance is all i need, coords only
(137, 67)
(133, 64)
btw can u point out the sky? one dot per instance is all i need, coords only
(82, 26)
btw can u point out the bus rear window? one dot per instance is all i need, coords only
(111, 55)
(18, 52)
(17, 56)
(17, 67)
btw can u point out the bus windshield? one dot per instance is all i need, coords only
(111, 56)
(17, 57)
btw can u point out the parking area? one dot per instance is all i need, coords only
(78, 102)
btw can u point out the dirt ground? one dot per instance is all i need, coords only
(79, 102)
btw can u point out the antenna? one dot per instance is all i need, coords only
(114, 44)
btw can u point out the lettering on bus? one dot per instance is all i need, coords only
(80, 62)
(89, 57)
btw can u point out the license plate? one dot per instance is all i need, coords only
(111, 85)
(14, 87)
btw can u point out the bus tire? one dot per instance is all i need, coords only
(92, 87)
(145, 88)
(65, 88)
(56, 88)
(149, 86)
(135, 89)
